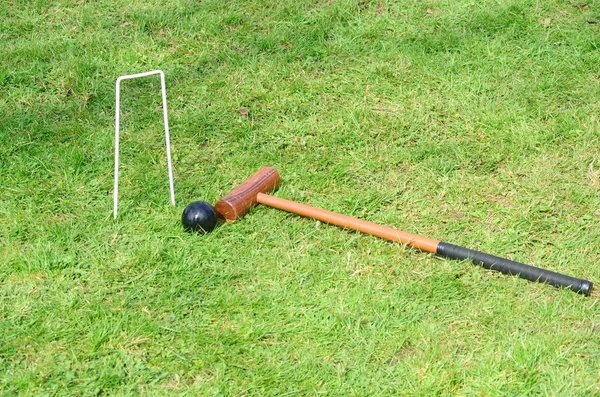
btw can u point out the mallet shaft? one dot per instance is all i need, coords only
(441, 248)
(389, 233)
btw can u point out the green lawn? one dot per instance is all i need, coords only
(475, 123)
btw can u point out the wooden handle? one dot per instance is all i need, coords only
(239, 201)
(389, 233)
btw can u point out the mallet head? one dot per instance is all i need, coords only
(239, 201)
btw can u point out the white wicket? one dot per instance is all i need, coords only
(117, 132)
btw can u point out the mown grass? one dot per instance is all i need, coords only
(475, 123)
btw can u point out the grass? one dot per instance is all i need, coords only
(474, 123)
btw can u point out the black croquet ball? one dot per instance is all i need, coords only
(200, 217)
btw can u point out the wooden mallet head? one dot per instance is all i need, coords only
(239, 201)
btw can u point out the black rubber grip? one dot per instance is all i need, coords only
(507, 266)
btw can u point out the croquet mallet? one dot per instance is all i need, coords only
(239, 201)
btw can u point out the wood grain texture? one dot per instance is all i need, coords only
(239, 201)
